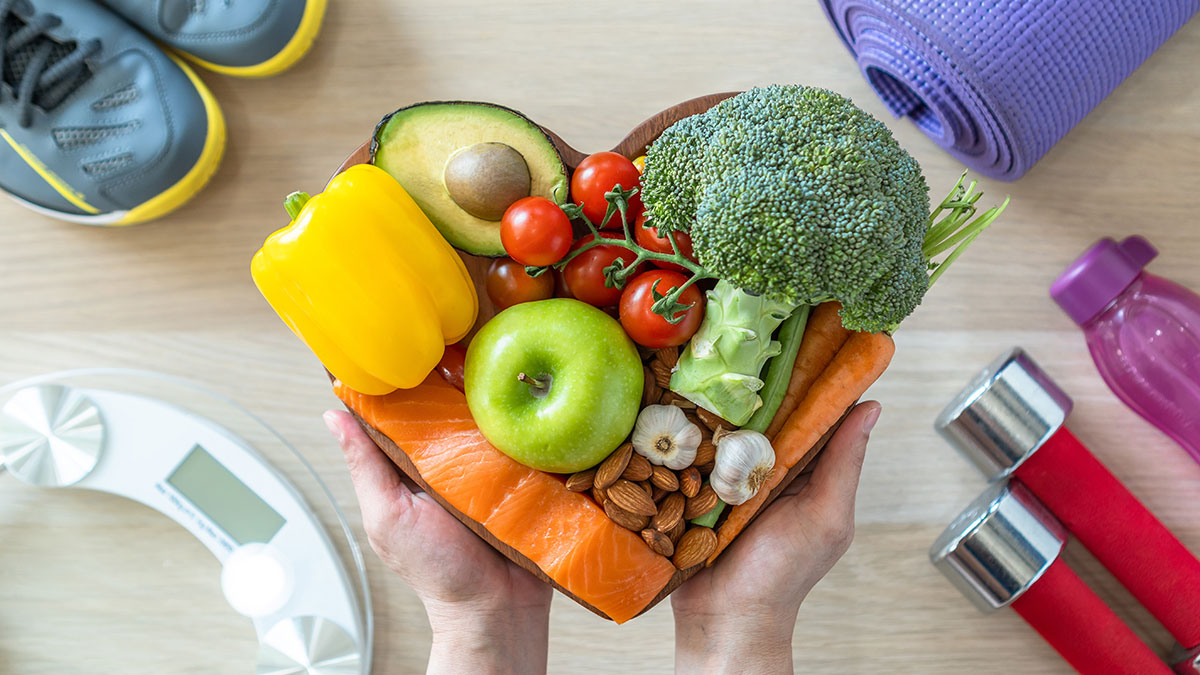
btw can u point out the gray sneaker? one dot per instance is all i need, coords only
(246, 38)
(97, 124)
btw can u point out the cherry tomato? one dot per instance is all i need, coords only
(535, 231)
(508, 284)
(560, 285)
(451, 365)
(649, 329)
(598, 174)
(584, 275)
(648, 238)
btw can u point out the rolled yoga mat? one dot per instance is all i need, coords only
(998, 82)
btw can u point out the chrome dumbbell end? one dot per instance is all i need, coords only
(1005, 414)
(999, 546)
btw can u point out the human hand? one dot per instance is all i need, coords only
(743, 610)
(487, 614)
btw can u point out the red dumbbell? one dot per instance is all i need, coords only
(1003, 550)
(1010, 422)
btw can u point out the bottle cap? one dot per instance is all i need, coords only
(1098, 276)
(1004, 415)
(998, 547)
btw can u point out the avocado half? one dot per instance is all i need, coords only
(466, 144)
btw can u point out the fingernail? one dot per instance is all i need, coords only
(871, 418)
(334, 427)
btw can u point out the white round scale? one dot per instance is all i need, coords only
(279, 567)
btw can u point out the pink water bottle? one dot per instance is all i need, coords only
(1143, 332)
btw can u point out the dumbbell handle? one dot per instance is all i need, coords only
(1082, 628)
(1118, 530)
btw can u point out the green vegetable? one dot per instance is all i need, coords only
(719, 370)
(796, 194)
(710, 519)
(779, 371)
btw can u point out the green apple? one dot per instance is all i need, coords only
(554, 384)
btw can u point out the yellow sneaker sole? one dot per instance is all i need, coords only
(293, 51)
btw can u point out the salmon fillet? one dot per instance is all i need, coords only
(564, 533)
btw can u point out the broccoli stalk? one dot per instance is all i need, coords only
(720, 368)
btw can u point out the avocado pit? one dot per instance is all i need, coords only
(484, 179)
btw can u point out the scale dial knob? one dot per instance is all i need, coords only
(50, 435)
(308, 645)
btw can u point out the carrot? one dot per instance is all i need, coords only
(860, 361)
(823, 337)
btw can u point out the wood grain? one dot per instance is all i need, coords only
(634, 144)
(92, 584)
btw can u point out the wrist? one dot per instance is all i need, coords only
(734, 643)
(476, 639)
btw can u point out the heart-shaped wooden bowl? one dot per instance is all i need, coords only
(633, 145)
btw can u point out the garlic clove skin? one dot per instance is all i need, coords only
(665, 436)
(745, 460)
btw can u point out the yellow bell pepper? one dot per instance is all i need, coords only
(365, 279)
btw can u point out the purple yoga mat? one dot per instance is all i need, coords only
(998, 82)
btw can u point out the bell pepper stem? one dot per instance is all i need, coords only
(295, 203)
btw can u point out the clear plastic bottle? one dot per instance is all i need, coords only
(1143, 332)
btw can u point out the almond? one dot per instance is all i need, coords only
(689, 481)
(712, 420)
(632, 498)
(659, 494)
(664, 479)
(611, 469)
(694, 547)
(650, 390)
(638, 469)
(677, 531)
(704, 501)
(582, 481)
(706, 469)
(669, 356)
(659, 542)
(662, 374)
(625, 519)
(670, 512)
(647, 488)
(598, 494)
(705, 453)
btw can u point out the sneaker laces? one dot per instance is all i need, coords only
(40, 70)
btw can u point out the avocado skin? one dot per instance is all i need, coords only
(421, 173)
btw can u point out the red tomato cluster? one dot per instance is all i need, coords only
(536, 232)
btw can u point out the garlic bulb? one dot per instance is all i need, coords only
(663, 435)
(744, 462)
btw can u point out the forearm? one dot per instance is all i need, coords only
(488, 643)
(720, 645)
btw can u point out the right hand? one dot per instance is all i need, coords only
(745, 606)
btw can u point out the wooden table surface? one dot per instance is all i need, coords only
(92, 583)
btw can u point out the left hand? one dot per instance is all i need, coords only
(477, 601)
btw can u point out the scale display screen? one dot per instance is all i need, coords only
(232, 506)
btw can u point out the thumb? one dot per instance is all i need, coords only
(376, 480)
(834, 482)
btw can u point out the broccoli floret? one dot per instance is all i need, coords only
(795, 193)
(675, 189)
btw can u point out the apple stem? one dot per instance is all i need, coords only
(538, 388)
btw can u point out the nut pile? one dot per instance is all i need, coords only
(654, 500)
